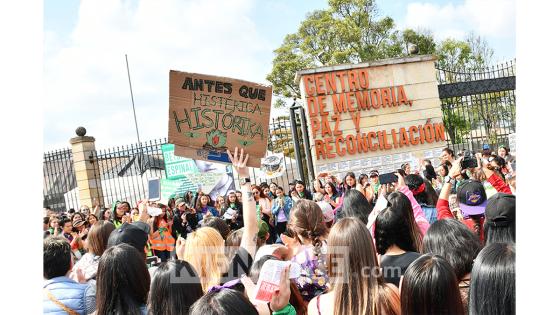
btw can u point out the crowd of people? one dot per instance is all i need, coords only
(439, 240)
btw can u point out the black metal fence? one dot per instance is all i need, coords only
(124, 170)
(59, 180)
(478, 106)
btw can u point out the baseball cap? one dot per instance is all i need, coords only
(78, 222)
(500, 210)
(373, 173)
(485, 146)
(328, 213)
(472, 197)
(135, 234)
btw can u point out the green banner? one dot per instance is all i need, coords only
(176, 166)
(184, 174)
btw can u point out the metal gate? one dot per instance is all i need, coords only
(478, 106)
(59, 181)
(478, 109)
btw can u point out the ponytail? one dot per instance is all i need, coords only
(478, 229)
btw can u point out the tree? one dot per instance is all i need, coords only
(348, 31)
(456, 125)
(469, 56)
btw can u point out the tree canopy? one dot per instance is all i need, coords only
(351, 31)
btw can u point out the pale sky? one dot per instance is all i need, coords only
(85, 78)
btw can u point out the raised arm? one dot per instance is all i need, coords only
(419, 215)
(249, 237)
(495, 180)
(442, 206)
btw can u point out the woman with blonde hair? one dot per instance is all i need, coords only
(357, 286)
(205, 251)
(204, 248)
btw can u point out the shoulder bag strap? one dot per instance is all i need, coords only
(60, 304)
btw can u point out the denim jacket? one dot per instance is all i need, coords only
(287, 207)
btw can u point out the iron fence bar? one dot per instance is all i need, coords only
(307, 148)
(295, 138)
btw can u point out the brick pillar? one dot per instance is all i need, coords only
(86, 168)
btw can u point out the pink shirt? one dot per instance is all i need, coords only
(419, 216)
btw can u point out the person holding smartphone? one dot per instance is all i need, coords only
(120, 213)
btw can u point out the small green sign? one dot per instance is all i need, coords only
(176, 166)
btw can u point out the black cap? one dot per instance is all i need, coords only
(500, 210)
(135, 234)
(472, 197)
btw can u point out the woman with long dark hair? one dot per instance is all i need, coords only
(349, 182)
(224, 301)
(175, 288)
(357, 286)
(366, 188)
(204, 207)
(395, 240)
(454, 241)
(106, 215)
(119, 213)
(300, 192)
(331, 195)
(425, 195)
(499, 223)
(429, 286)
(123, 281)
(356, 205)
(493, 281)
(233, 203)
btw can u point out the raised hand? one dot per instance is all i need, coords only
(455, 170)
(281, 298)
(239, 162)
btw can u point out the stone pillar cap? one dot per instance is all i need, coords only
(82, 139)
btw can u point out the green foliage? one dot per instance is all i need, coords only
(349, 31)
(456, 125)
(470, 55)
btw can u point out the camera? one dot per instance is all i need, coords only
(469, 160)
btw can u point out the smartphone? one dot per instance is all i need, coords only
(154, 189)
(388, 178)
(152, 261)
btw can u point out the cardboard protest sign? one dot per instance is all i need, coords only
(210, 114)
(375, 115)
